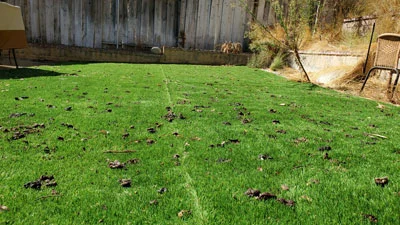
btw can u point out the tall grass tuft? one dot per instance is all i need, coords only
(278, 62)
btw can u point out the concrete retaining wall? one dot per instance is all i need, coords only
(318, 61)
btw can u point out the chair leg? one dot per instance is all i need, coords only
(9, 56)
(389, 85)
(395, 82)
(15, 58)
(366, 78)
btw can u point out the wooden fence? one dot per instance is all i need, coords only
(194, 24)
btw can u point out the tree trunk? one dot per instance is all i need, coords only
(298, 60)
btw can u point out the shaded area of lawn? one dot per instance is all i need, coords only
(26, 73)
(192, 140)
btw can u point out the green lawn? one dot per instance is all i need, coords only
(191, 138)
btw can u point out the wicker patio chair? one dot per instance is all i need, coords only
(387, 57)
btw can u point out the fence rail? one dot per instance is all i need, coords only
(194, 24)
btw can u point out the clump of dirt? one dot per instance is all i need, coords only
(381, 181)
(224, 160)
(266, 196)
(252, 192)
(162, 190)
(286, 202)
(133, 161)
(171, 116)
(125, 182)
(153, 202)
(22, 131)
(44, 180)
(371, 218)
(150, 141)
(119, 165)
(184, 213)
(223, 143)
(325, 148)
(261, 196)
(151, 130)
(264, 157)
(116, 165)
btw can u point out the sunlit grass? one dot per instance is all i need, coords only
(206, 158)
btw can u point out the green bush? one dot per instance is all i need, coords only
(262, 59)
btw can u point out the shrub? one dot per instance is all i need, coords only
(263, 46)
(279, 61)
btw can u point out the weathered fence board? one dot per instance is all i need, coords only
(144, 25)
(124, 21)
(78, 22)
(196, 24)
(201, 29)
(98, 24)
(27, 21)
(191, 23)
(88, 28)
(239, 22)
(131, 22)
(108, 23)
(182, 16)
(34, 22)
(158, 28)
(49, 21)
(226, 22)
(172, 23)
(213, 24)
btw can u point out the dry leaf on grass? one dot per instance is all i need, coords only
(382, 181)
(184, 213)
(312, 181)
(265, 196)
(125, 182)
(162, 190)
(132, 161)
(264, 157)
(284, 187)
(371, 218)
(150, 141)
(325, 148)
(252, 192)
(154, 202)
(44, 180)
(286, 202)
(305, 197)
(116, 165)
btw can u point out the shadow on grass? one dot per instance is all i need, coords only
(312, 87)
(26, 73)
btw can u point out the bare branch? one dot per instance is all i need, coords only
(118, 152)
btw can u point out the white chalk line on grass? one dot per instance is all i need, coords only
(166, 86)
(198, 211)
